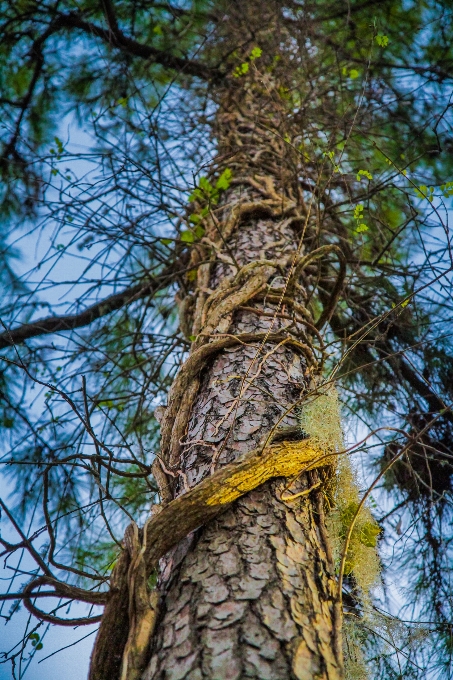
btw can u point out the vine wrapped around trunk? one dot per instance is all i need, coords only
(251, 593)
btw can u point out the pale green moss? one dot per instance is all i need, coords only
(362, 559)
(321, 420)
(354, 661)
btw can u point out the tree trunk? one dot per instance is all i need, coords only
(251, 594)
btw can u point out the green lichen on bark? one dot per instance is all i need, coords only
(321, 421)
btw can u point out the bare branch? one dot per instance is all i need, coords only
(62, 590)
(58, 324)
(115, 37)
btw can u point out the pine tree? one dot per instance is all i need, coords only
(311, 251)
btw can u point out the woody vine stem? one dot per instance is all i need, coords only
(254, 258)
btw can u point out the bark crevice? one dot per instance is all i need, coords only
(250, 594)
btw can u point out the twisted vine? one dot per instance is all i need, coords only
(131, 610)
(206, 318)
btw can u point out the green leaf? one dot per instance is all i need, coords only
(59, 144)
(353, 74)
(369, 534)
(205, 185)
(195, 195)
(358, 211)
(199, 231)
(362, 227)
(187, 236)
(382, 40)
(241, 70)
(425, 192)
(364, 173)
(39, 645)
(224, 180)
(190, 235)
(108, 403)
(255, 53)
(447, 189)
(348, 515)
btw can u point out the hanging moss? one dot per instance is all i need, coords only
(321, 420)
(353, 642)
(362, 559)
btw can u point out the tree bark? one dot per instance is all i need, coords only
(251, 594)
(253, 598)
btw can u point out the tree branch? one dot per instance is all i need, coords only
(56, 324)
(62, 590)
(349, 11)
(397, 360)
(26, 100)
(115, 37)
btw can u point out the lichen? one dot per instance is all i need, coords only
(375, 634)
(362, 559)
(353, 642)
(321, 421)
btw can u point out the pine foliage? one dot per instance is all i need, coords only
(107, 148)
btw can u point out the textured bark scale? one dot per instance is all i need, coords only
(253, 598)
(251, 594)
